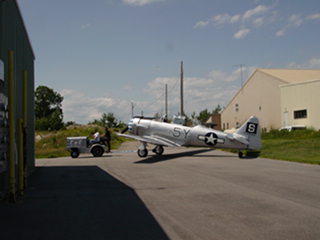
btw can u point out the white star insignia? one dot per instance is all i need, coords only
(211, 139)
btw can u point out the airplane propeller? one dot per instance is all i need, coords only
(125, 130)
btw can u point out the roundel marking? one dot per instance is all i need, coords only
(211, 139)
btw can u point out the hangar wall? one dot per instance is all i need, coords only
(300, 104)
(14, 37)
(260, 96)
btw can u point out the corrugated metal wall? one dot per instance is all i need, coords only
(13, 36)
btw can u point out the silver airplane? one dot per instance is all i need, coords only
(162, 134)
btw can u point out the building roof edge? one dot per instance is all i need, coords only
(257, 69)
(25, 29)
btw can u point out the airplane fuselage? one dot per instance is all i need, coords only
(184, 136)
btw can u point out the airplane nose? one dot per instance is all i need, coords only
(131, 126)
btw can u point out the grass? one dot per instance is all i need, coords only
(298, 146)
(53, 144)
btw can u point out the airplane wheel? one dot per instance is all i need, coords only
(142, 152)
(159, 150)
(240, 154)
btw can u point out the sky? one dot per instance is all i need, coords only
(101, 55)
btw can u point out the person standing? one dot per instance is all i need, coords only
(107, 138)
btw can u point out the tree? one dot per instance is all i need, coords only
(70, 123)
(204, 116)
(106, 120)
(48, 111)
(217, 109)
(109, 120)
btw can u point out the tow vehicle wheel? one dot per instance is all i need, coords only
(240, 154)
(142, 152)
(74, 153)
(97, 151)
(159, 150)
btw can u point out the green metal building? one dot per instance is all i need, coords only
(16, 101)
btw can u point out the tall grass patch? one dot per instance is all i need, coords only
(298, 145)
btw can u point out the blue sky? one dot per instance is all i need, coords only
(103, 54)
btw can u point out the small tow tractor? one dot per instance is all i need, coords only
(77, 145)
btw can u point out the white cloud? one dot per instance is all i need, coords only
(255, 17)
(313, 16)
(221, 19)
(128, 87)
(280, 33)
(258, 22)
(86, 25)
(220, 76)
(140, 2)
(201, 24)
(217, 87)
(312, 63)
(295, 20)
(255, 11)
(242, 33)
(225, 18)
(236, 18)
(259, 16)
(199, 93)
(81, 108)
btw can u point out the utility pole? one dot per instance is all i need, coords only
(181, 89)
(132, 108)
(241, 67)
(166, 100)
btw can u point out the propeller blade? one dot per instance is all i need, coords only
(124, 130)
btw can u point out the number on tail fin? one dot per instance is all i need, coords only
(252, 128)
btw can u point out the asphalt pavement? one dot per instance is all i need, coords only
(187, 193)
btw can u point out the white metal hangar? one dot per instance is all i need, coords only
(278, 97)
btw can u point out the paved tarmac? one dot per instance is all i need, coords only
(185, 194)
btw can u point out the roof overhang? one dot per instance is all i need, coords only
(300, 83)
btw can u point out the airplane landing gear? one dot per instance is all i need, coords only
(240, 154)
(158, 150)
(143, 151)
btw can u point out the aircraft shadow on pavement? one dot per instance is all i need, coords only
(226, 156)
(90, 156)
(157, 158)
(80, 202)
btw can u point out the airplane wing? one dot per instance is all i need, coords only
(156, 140)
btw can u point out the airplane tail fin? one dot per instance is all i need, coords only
(251, 131)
